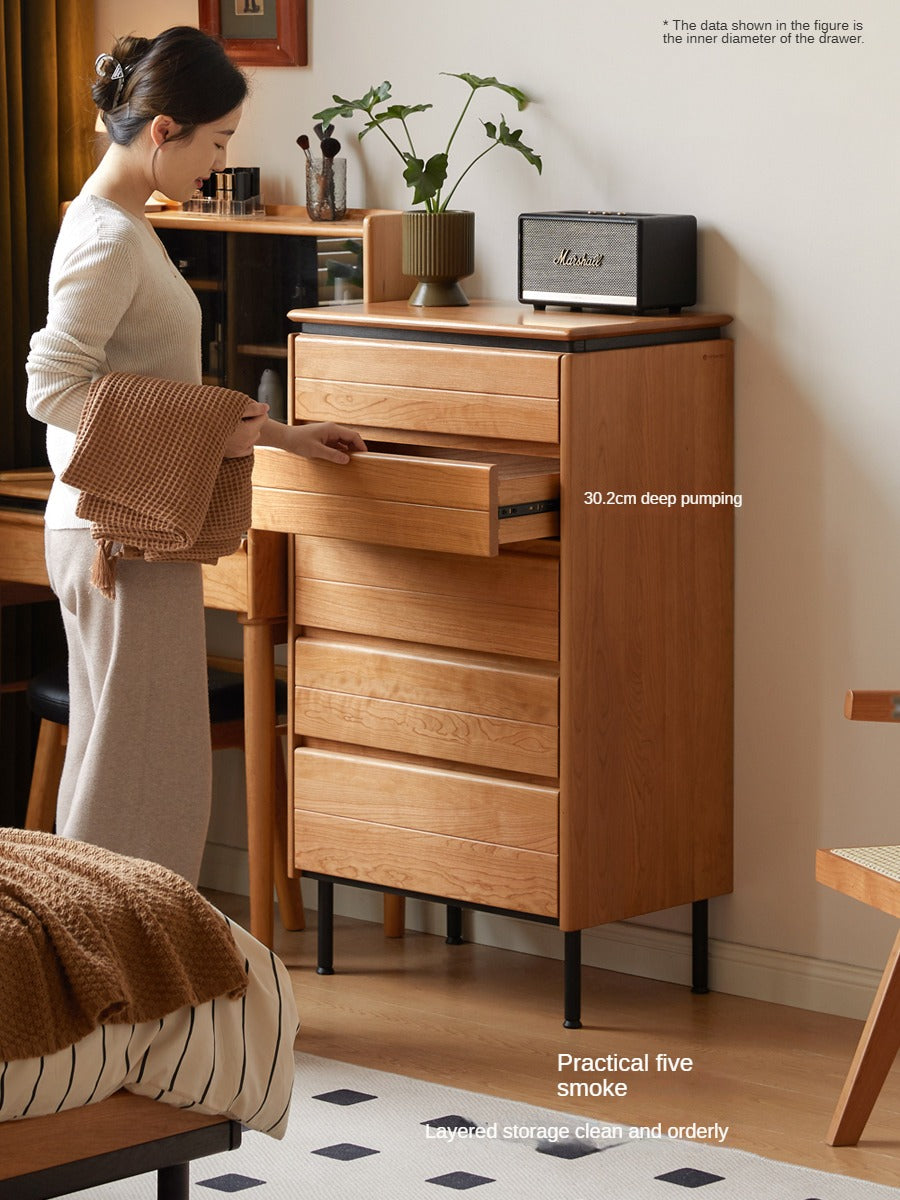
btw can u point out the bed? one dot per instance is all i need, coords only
(131, 1095)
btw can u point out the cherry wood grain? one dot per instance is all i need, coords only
(123, 1120)
(473, 413)
(456, 867)
(486, 684)
(862, 883)
(446, 368)
(420, 729)
(452, 619)
(445, 800)
(492, 319)
(421, 500)
(646, 632)
(872, 706)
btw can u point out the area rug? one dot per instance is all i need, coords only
(359, 1134)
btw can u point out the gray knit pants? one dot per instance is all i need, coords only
(138, 770)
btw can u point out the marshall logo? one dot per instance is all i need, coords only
(566, 258)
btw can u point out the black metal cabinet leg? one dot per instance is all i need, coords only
(454, 925)
(173, 1183)
(325, 965)
(572, 972)
(700, 947)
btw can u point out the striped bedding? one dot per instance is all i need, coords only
(228, 1057)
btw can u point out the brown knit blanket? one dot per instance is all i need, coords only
(89, 937)
(148, 463)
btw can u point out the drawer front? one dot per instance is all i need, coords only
(451, 867)
(449, 801)
(416, 729)
(504, 605)
(454, 709)
(499, 393)
(496, 372)
(488, 685)
(454, 504)
(469, 414)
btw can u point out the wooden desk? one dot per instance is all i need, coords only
(252, 583)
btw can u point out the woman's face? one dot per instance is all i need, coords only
(180, 165)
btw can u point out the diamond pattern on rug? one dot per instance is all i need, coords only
(345, 1151)
(453, 1121)
(570, 1149)
(231, 1183)
(690, 1178)
(495, 1148)
(344, 1097)
(460, 1181)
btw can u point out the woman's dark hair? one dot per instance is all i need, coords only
(182, 72)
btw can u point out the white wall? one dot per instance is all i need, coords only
(787, 154)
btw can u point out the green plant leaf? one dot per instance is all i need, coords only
(399, 112)
(396, 112)
(346, 108)
(476, 81)
(426, 178)
(504, 136)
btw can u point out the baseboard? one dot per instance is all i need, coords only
(752, 971)
(224, 869)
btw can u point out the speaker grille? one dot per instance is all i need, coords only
(545, 241)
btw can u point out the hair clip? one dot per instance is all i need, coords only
(116, 75)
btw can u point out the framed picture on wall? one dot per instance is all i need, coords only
(259, 33)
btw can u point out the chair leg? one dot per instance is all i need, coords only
(290, 901)
(874, 1055)
(48, 764)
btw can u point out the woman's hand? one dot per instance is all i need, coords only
(246, 435)
(320, 439)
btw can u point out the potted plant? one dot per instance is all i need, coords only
(438, 242)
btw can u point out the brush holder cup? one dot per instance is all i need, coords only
(326, 189)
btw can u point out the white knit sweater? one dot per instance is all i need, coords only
(116, 303)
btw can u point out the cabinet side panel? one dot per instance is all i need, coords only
(646, 631)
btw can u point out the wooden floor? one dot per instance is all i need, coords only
(491, 1021)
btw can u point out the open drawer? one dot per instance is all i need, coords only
(423, 498)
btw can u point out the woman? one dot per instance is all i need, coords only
(137, 776)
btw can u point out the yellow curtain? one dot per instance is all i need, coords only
(46, 143)
(46, 138)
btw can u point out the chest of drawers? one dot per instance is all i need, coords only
(511, 667)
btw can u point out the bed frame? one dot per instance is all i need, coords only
(123, 1136)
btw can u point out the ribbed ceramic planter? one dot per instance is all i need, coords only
(438, 251)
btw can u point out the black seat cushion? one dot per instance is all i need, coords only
(48, 695)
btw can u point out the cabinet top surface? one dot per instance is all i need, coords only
(492, 318)
(287, 219)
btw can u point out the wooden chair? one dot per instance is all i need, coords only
(48, 697)
(870, 874)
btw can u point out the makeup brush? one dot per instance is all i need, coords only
(303, 143)
(330, 149)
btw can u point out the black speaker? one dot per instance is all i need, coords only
(632, 262)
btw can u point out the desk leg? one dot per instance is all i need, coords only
(259, 763)
(394, 908)
(290, 900)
